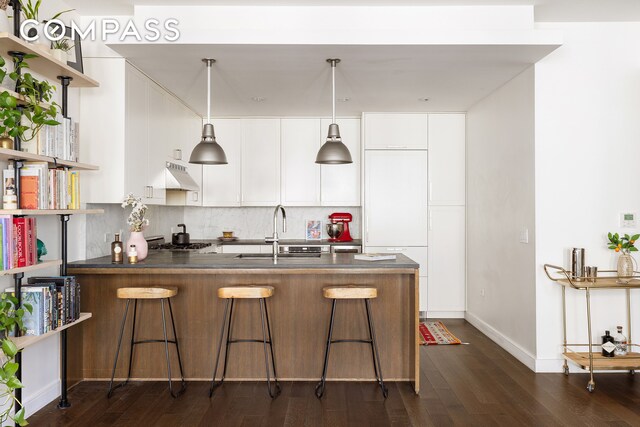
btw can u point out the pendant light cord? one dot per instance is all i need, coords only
(333, 79)
(208, 91)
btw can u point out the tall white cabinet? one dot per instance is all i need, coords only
(414, 196)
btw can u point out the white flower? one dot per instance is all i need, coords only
(136, 218)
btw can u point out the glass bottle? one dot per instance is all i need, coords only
(608, 347)
(621, 343)
(117, 250)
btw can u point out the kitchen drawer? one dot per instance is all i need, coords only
(416, 253)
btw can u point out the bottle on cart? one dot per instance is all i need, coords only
(117, 250)
(621, 343)
(608, 346)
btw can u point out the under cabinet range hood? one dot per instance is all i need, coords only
(177, 178)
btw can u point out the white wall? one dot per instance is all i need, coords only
(587, 150)
(500, 203)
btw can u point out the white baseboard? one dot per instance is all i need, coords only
(33, 402)
(442, 314)
(528, 359)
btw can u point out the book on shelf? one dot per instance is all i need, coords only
(19, 241)
(44, 188)
(59, 141)
(374, 257)
(67, 304)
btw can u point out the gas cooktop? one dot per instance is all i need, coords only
(189, 247)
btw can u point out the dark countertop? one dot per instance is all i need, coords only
(285, 242)
(181, 260)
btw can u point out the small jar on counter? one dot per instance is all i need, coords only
(132, 254)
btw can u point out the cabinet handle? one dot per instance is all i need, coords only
(195, 196)
(430, 191)
(397, 249)
(366, 228)
(151, 191)
(177, 154)
(430, 222)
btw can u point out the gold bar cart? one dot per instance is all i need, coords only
(589, 360)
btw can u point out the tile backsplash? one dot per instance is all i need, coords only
(208, 223)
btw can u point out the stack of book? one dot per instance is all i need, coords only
(19, 242)
(55, 302)
(44, 188)
(59, 141)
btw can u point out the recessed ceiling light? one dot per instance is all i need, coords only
(258, 98)
(345, 99)
(423, 99)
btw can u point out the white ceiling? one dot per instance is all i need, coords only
(296, 80)
(545, 10)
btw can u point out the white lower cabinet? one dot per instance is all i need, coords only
(418, 254)
(446, 259)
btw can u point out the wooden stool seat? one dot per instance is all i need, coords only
(147, 293)
(250, 292)
(350, 292)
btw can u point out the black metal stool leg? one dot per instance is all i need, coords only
(276, 392)
(273, 359)
(373, 355)
(133, 335)
(166, 348)
(175, 338)
(374, 345)
(215, 369)
(115, 362)
(321, 384)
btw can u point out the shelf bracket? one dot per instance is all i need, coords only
(17, 10)
(65, 81)
(64, 402)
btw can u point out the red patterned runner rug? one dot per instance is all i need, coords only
(433, 333)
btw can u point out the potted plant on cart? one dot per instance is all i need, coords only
(624, 245)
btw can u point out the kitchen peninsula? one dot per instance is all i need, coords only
(298, 312)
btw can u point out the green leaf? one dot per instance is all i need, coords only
(633, 249)
(18, 418)
(9, 347)
(14, 382)
(11, 368)
(635, 237)
(612, 246)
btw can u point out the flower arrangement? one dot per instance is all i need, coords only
(136, 219)
(624, 244)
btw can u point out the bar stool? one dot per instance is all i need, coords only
(260, 293)
(154, 293)
(365, 293)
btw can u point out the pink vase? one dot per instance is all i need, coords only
(137, 238)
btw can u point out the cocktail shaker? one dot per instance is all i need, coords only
(577, 264)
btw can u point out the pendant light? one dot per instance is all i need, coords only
(333, 152)
(208, 151)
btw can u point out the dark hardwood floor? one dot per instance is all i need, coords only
(476, 384)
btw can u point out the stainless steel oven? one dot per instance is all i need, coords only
(311, 249)
(346, 249)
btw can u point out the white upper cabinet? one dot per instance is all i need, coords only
(395, 131)
(260, 162)
(446, 159)
(135, 125)
(160, 122)
(221, 183)
(136, 167)
(395, 198)
(340, 184)
(300, 142)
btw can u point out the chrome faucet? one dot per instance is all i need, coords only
(274, 239)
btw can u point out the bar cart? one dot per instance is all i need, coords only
(589, 360)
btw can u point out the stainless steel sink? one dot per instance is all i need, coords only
(268, 256)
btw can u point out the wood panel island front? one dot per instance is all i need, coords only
(298, 312)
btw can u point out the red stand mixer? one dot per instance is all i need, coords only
(338, 228)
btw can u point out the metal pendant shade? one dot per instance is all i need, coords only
(208, 151)
(333, 152)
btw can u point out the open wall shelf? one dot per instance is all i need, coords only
(7, 154)
(26, 341)
(40, 212)
(45, 64)
(30, 268)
